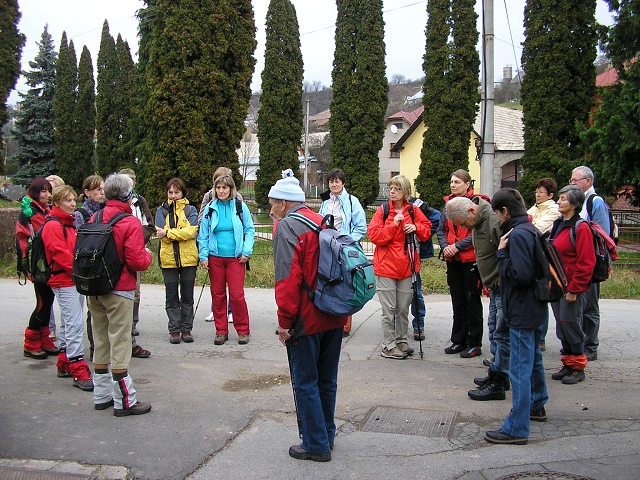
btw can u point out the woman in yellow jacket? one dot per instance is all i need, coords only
(177, 229)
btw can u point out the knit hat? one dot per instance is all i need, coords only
(288, 188)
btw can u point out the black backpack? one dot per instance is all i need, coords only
(40, 268)
(96, 264)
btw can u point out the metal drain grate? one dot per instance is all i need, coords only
(427, 423)
(546, 475)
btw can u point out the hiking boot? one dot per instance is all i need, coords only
(139, 408)
(498, 436)
(394, 353)
(454, 348)
(482, 382)
(591, 355)
(243, 339)
(104, 405)
(494, 390)
(538, 415)
(418, 335)
(187, 337)
(488, 361)
(140, 352)
(471, 352)
(563, 372)
(46, 343)
(405, 348)
(574, 377)
(37, 354)
(85, 385)
(296, 451)
(220, 339)
(174, 338)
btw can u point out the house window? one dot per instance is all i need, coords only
(399, 126)
(393, 154)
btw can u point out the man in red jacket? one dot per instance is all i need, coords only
(313, 339)
(111, 313)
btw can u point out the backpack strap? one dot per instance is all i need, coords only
(85, 214)
(316, 228)
(572, 232)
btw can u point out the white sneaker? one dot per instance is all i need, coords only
(209, 318)
(230, 317)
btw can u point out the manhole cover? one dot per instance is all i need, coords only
(427, 423)
(546, 475)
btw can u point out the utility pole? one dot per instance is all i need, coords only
(487, 106)
(306, 145)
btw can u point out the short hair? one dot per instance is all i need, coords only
(337, 174)
(510, 199)
(55, 179)
(176, 182)
(37, 185)
(117, 186)
(128, 171)
(221, 172)
(228, 181)
(404, 183)
(458, 207)
(585, 172)
(575, 196)
(463, 175)
(61, 193)
(549, 184)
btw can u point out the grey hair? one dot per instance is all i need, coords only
(458, 207)
(117, 186)
(585, 172)
(575, 196)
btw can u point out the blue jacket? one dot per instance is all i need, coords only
(600, 211)
(354, 220)
(244, 237)
(522, 310)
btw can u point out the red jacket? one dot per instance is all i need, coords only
(295, 256)
(59, 242)
(454, 233)
(127, 234)
(23, 232)
(389, 258)
(578, 262)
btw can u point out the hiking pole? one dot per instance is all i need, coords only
(204, 284)
(293, 387)
(411, 250)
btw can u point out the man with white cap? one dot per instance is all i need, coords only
(313, 339)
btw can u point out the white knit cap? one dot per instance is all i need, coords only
(288, 188)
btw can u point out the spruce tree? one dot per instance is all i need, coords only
(558, 89)
(359, 95)
(280, 117)
(85, 122)
(451, 66)
(64, 104)
(107, 115)
(34, 132)
(199, 77)
(11, 43)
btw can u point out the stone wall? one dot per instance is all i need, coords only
(8, 217)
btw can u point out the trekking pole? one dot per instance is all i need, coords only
(411, 250)
(293, 387)
(204, 284)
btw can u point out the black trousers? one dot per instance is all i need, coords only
(44, 301)
(466, 289)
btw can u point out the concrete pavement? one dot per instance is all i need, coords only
(227, 411)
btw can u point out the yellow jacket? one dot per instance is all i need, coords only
(179, 248)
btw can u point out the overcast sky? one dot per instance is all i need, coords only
(405, 22)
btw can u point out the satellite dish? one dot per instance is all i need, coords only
(394, 129)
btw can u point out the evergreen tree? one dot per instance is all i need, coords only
(359, 95)
(124, 86)
(280, 118)
(107, 115)
(199, 77)
(64, 104)
(612, 140)
(451, 66)
(85, 122)
(558, 89)
(11, 43)
(34, 131)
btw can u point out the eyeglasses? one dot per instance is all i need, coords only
(573, 181)
(395, 189)
(541, 192)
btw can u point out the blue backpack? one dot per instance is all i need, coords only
(345, 276)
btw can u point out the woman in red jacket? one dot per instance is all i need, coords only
(59, 238)
(462, 277)
(579, 261)
(392, 266)
(35, 207)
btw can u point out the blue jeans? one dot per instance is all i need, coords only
(501, 336)
(314, 367)
(529, 389)
(418, 317)
(491, 320)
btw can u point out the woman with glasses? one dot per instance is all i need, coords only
(462, 276)
(392, 264)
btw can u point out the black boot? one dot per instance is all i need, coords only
(493, 391)
(482, 382)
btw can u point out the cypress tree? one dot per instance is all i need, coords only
(359, 95)
(34, 132)
(280, 118)
(64, 104)
(124, 87)
(199, 77)
(85, 122)
(107, 115)
(559, 87)
(450, 95)
(11, 43)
